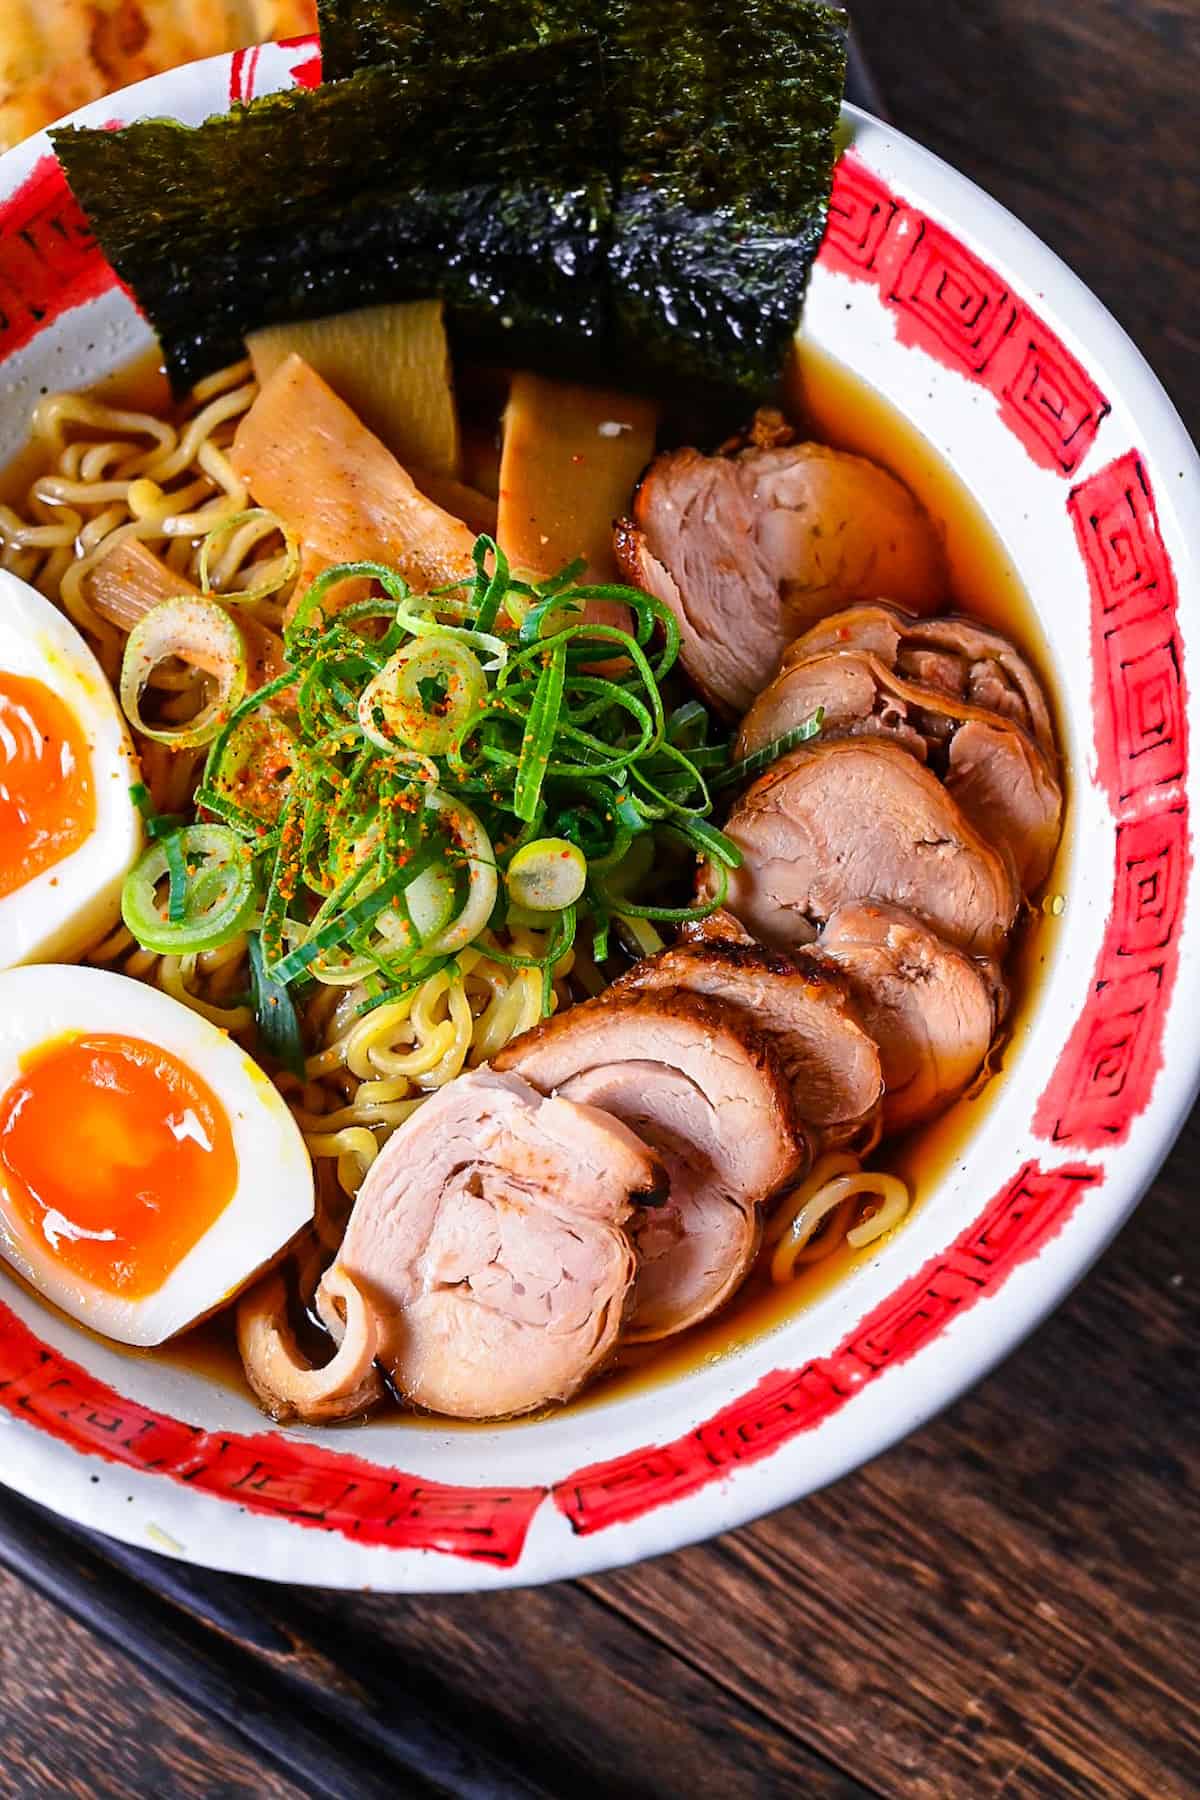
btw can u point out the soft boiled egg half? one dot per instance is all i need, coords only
(148, 1168)
(69, 830)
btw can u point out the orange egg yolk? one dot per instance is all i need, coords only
(115, 1157)
(47, 804)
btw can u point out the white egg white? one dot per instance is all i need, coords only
(65, 908)
(274, 1197)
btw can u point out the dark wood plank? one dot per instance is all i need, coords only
(601, 1705)
(1081, 118)
(79, 1721)
(374, 1696)
(212, 1641)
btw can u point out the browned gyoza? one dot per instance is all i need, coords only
(489, 1245)
(930, 1008)
(861, 819)
(801, 1008)
(749, 549)
(707, 1093)
(1003, 780)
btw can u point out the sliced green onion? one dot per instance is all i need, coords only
(430, 901)
(562, 938)
(490, 591)
(218, 893)
(336, 932)
(285, 869)
(390, 580)
(419, 744)
(257, 756)
(423, 696)
(547, 875)
(639, 935)
(274, 1013)
(676, 915)
(766, 754)
(540, 728)
(260, 835)
(558, 611)
(201, 633)
(475, 846)
(177, 882)
(422, 621)
(155, 824)
(601, 925)
(710, 842)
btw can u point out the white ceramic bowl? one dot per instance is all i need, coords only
(1017, 376)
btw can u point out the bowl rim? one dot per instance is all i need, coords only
(883, 169)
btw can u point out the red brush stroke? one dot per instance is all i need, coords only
(948, 301)
(1046, 397)
(1020, 1221)
(243, 69)
(266, 1473)
(307, 73)
(49, 260)
(955, 307)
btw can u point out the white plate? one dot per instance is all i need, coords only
(1015, 373)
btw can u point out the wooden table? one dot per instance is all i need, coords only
(1009, 1603)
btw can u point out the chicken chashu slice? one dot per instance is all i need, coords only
(966, 659)
(1003, 780)
(708, 1094)
(931, 1009)
(800, 1007)
(716, 927)
(861, 819)
(749, 549)
(488, 1242)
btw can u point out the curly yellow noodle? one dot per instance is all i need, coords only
(115, 473)
(834, 1186)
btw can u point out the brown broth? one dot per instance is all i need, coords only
(138, 386)
(837, 407)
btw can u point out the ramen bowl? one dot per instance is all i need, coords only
(942, 336)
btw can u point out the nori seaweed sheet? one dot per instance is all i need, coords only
(727, 121)
(643, 207)
(361, 34)
(393, 185)
(723, 124)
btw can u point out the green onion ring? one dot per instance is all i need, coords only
(218, 891)
(393, 708)
(199, 632)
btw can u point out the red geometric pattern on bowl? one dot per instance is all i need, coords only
(956, 308)
(284, 1478)
(950, 303)
(1107, 1071)
(49, 260)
